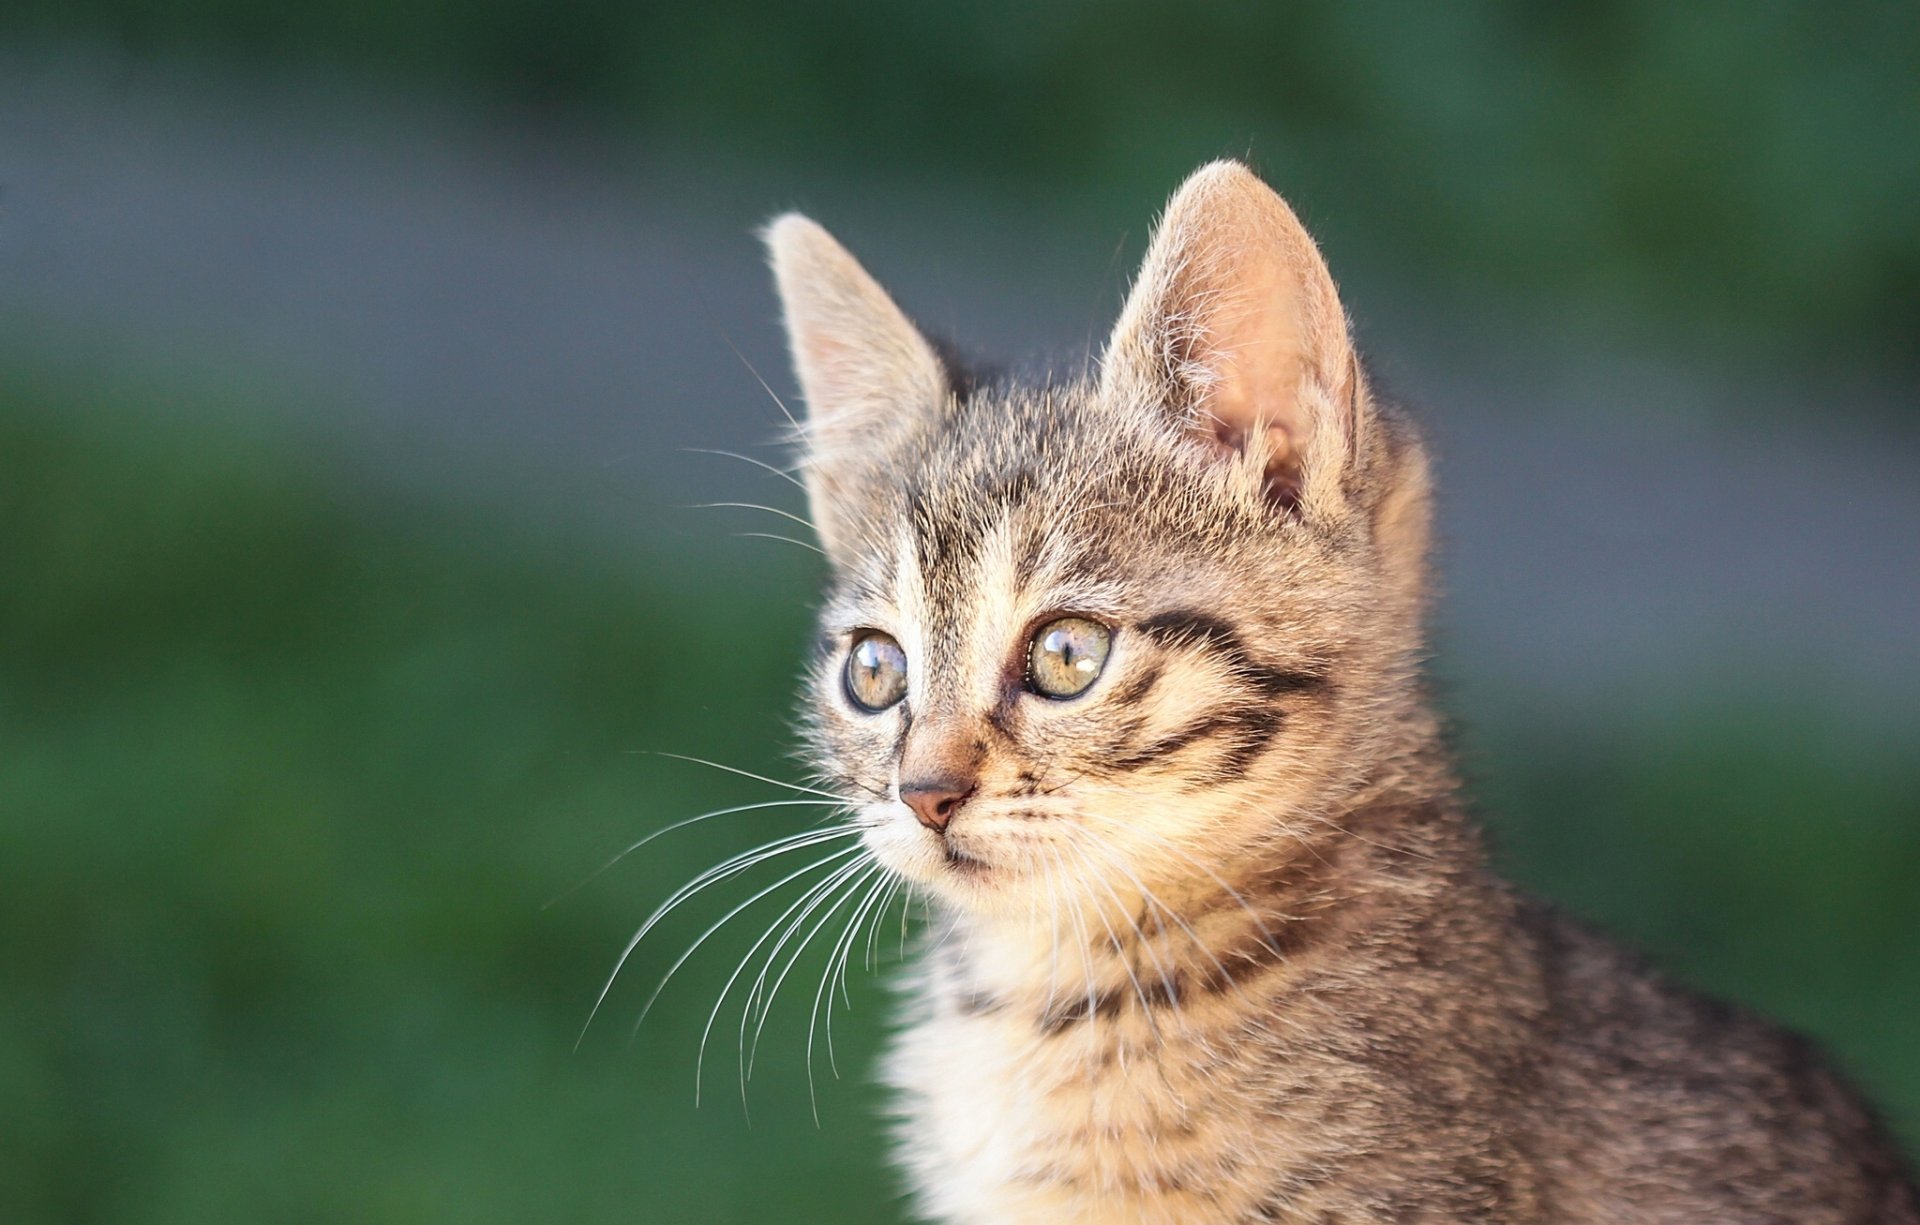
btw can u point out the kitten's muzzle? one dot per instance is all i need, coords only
(935, 800)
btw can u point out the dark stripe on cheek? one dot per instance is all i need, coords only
(1173, 742)
(1248, 730)
(1278, 682)
(1139, 686)
(1185, 627)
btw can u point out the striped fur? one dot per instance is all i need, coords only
(1216, 939)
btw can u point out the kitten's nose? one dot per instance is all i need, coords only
(935, 800)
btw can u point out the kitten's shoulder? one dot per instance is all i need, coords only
(1702, 1093)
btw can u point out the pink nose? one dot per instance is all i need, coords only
(935, 800)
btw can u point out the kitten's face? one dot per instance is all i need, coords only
(1110, 636)
(1101, 557)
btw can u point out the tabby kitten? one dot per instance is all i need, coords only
(1124, 674)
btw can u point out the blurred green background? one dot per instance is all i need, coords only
(298, 749)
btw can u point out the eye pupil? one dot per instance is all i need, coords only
(1066, 657)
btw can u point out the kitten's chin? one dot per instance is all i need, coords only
(952, 872)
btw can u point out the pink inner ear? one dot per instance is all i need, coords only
(1249, 347)
(1235, 324)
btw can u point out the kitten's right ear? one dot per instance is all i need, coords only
(863, 367)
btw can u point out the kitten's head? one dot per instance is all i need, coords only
(1121, 631)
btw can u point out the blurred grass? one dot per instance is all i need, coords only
(286, 784)
(285, 790)
(1695, 175)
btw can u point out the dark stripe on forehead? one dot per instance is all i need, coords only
(1186, 627)
(946, 555)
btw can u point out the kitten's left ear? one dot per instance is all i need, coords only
(1235, 326)
(864, 369)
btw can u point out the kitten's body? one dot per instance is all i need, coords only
(1217, 940)
(1407, 1059)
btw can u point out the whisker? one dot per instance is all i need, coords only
(778, 471)
(1193, 935)
(742, 862)
(778, 402)
(873, 929)
(757, 1002)
(1169, 844)
(772, 510)
(809, 899)
(738, 863)
(1340, 829)
(764, 994)
(906, 913)
(790, 540)
(1070, 781)
(722, 922)
(1146, 945)
(838, 954)
(766, 1008)
(758, 778)
(668, 829)
(1119, 862)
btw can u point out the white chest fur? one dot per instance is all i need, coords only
(1018, 1105)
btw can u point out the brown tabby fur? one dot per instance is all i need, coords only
(1218, 942)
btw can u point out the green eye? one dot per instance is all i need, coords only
(876, 672)
(1066, 657)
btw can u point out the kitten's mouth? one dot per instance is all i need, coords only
(963, 863)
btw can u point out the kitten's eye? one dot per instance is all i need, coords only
(1066, 656)
(876, 672)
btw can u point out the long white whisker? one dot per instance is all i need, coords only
(787, 539)
(1086, 943)
(814, 891)
(778, 471)
(1170, 845)
(785, 925)
(766, 993)
(802, 520)
(668, 829)
(839, 954)
(840, 898)
(906, 919)
(1341, 829)
(758, 778)
(738, 863)
(722, 922)
(873, 929)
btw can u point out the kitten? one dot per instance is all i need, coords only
(1124, 674)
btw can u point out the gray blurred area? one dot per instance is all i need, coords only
(480, 305)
